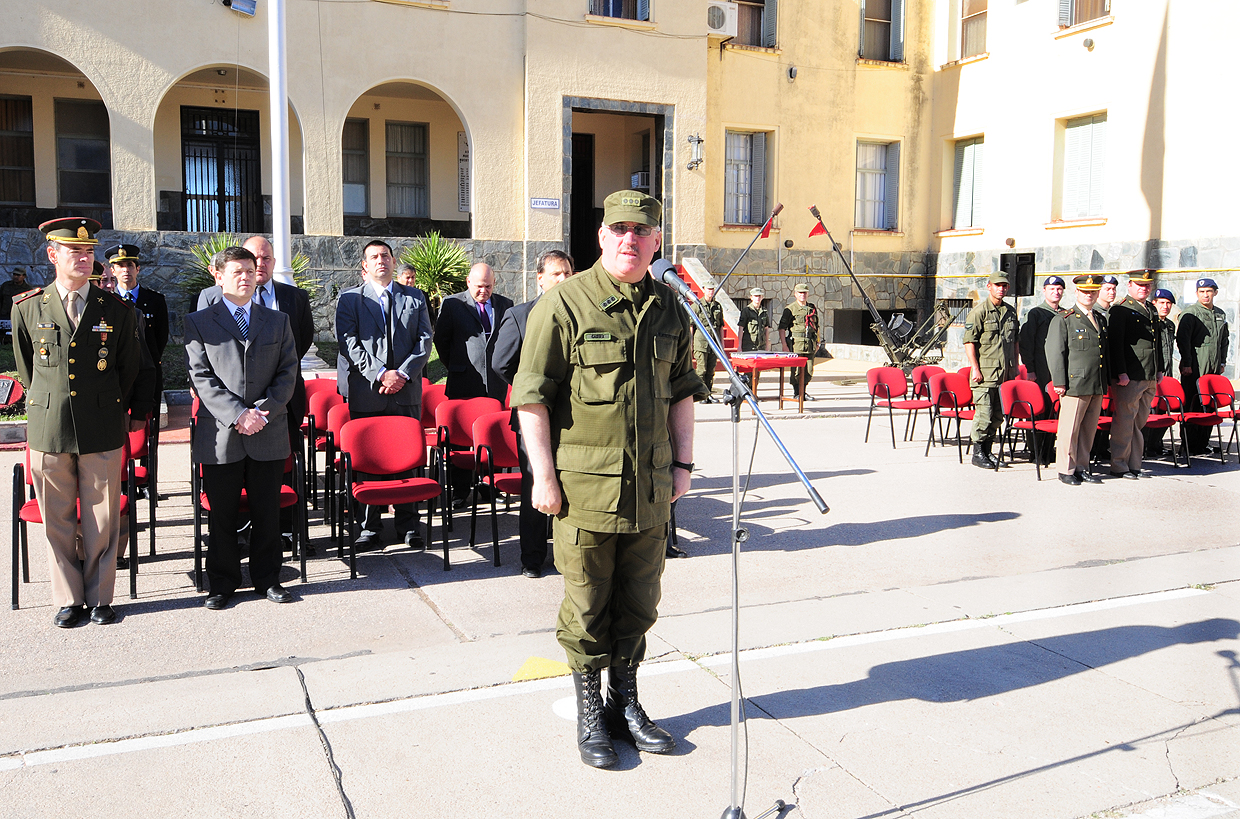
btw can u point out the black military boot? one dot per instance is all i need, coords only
(982, 456)
(592, 740)
(626, 719)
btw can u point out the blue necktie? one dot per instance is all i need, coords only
(242, 324)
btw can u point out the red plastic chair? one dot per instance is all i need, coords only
(432, 396)
(366, 445)
(1218, 396)
(950, 398)
(337, 417)
(495, 451)
(26, 510)
(316, 440)
(143, 475)
(1160, 418)
(1024, 407)
(1022, 373)
(454, 438)
(887, 387)
(921, 379)
(1171, 392)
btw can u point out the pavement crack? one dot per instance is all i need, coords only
(428, 602)
(337, 776)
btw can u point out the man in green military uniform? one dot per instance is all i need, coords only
(991, 345)
(711, 314)
(1078, 356)
(798, 330)
(76, 348)
(754, 322)
(1134, 371)
(605, 395)
(1203, 338)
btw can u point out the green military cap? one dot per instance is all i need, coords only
(757, 291)
(1140, 276)
(998, 277)
(1088, 282)
(632, 206)
(121, 253)
(71, 230)
(801, 288)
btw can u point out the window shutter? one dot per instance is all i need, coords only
(1065, 13)
(643, 9)
(891, 202)
(976, 217)
(1097, 153)
(962, 206)
(861, 42)
(1075, 170)
(770, 23)
(897, 31)
(757, 181)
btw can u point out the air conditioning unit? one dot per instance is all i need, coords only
(721, 18)
(640, 181)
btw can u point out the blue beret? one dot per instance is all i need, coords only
(1206, 283)
(1110, 280)
(1053, 280)
(1163, 293)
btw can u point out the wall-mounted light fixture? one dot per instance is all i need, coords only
(695, 142)
(792, 73)
(1088, 43)
(1010, 243)
(221, 72)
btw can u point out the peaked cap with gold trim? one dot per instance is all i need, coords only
(71, 230)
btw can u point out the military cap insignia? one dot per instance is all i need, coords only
(83, 233)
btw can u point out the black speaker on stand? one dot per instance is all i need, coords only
(1019, 267)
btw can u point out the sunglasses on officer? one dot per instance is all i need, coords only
(620, 229)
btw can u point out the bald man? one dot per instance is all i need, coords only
(465, 336)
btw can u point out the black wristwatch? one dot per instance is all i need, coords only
(682, 465)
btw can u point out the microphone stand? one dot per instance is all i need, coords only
(737, 394)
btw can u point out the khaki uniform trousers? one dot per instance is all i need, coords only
(704, 361)
(612, 586)
(987, 414)
(1130, 408)
(1078, 421)
(795, 373)
(60, 479)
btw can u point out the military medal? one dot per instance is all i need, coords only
(102, 365)
(103, 352)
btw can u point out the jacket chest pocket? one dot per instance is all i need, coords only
(1007, 331)
(664, 357)
(1080, 341)
(47, 354)
(603, 366)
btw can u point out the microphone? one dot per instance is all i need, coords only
(665, 271)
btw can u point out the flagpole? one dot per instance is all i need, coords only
(281, 238)
(762, 234)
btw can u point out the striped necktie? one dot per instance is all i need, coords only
(242, 324)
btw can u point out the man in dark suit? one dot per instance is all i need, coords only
(384, 332)
(465, 339)
(554, 266)
(151, 304)
(243, 365)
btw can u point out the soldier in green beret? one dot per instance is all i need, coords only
(798, 329)
(1203, 338)
(1135, 363)
(991, 345)
(754, 322)
(605, 394)
(76, 348)
(1078, 355)
(705, 360)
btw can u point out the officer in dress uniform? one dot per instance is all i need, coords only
(1134, 371)
(754, 322)
(1203, 338)
(705, 360)
(76, 348)
(798, 330)
(1078, 355)
(991, 344)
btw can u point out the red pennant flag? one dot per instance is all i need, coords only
(819, 230)
(766, 230)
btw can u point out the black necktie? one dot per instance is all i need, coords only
(387, 312)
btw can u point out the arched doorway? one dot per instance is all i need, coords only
(407, 164)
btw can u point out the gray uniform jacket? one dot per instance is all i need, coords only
(361, 331)
(232, 374)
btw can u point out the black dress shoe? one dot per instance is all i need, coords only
(676, 551)
(216, 602)
(102, 615)
(1070, 479)
(278, 594)
(122, 564)
(69, 616)
(1088, 477)
(1132, 475)
(532, 573)
(368, 540)
(414, 540)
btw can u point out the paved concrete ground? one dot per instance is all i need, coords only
(947, 642)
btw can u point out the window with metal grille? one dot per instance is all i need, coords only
(972, 27)
(1074, 12)
(83, 153)
(756, 23)
(882, 30)
(406, 169)
(967, 190)
(1085, 140)
(878, 186)
(744, 182)
(625, 9)
(220, 160)
(355, 145)
(16, 151)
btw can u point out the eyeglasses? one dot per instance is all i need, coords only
(622, 228)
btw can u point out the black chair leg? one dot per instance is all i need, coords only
(869, 416)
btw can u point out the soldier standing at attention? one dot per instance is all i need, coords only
(990, 342)
(1106, 296)
(1164, 300)
(76, 348)
(1077, 352)
(1134, 372)
(1203, 337)
(1033, 345)
(754, 322)
(711, 314)
(605, 395)
(798, 330)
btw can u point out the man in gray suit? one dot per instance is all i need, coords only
(384, 332)
(243, 366)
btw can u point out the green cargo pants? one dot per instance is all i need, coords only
(611, 593)
(987, 414)
(704, 365)
(795, 373)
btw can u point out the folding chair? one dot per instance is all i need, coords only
(1218, 396)
(887, 387)
(1172, 393)
(495, 448)
(1024, 404)
(950, 398)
